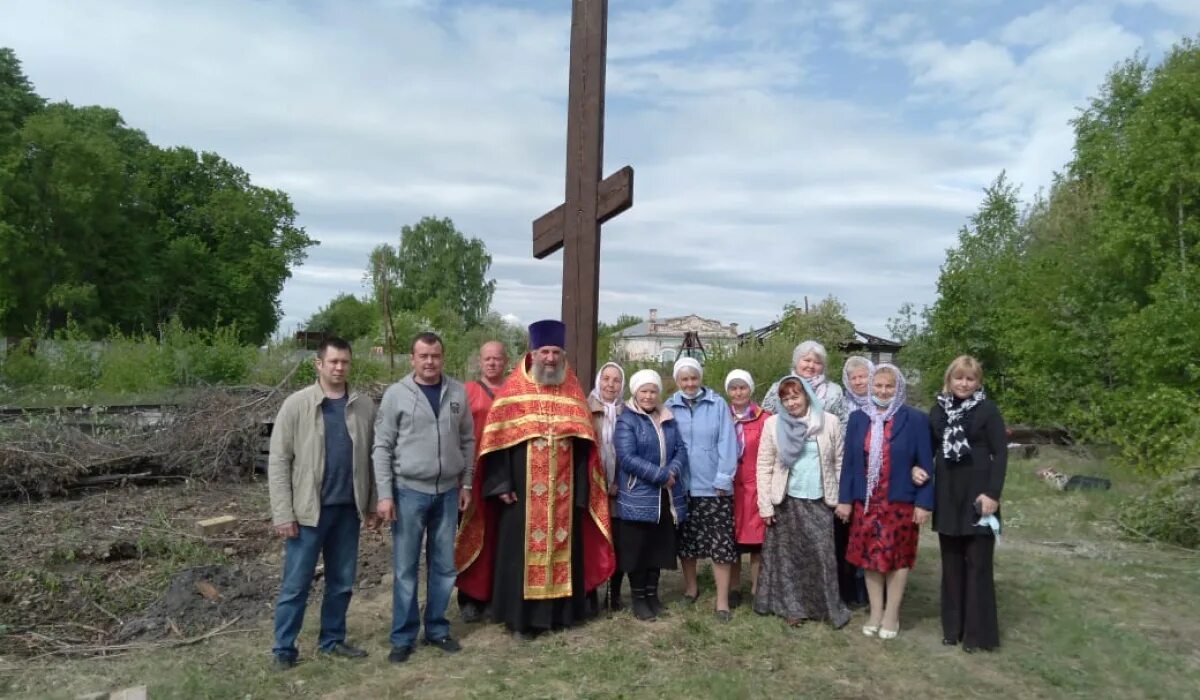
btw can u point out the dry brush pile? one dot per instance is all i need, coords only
(214, 434)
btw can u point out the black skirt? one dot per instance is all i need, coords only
(642, 546)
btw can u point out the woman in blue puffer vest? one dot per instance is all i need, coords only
(651, 503)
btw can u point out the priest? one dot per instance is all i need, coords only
(542, 472)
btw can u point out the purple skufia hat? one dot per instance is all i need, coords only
(548, 332)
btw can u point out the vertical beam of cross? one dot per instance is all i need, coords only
(589, 202)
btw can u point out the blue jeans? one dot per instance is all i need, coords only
(434, 517)
(335, 538)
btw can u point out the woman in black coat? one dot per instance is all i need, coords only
(971, 452)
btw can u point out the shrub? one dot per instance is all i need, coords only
(21, 367)
(134, 364)
(1153, 430)
(72, 360)
(1170, 513)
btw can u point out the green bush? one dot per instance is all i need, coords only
(1170, 513)
(72, 359)
(134, 364)
(207, 356)
(21, 367)
(1153, 430)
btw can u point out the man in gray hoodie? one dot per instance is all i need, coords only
(424, 462)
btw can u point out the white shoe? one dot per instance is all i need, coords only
(870, 630)
(885, 633)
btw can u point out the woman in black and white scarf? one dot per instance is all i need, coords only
(970, 447)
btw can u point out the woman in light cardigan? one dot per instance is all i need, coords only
(799, 465)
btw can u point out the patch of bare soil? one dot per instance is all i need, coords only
(127, 565)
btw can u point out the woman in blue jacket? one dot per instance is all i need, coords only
(879, 499)
(650, 499)
(706, 424)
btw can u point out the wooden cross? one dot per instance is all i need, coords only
(575, 225)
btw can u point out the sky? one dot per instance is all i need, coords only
(783, 149)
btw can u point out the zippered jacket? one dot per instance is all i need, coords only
(416, 450)
(296, 466)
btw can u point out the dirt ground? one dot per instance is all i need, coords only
(126, 565)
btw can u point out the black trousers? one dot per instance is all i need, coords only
(847, 572)
(968, 592)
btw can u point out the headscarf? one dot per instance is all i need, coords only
(747, 413)
(739, 374)
(683, 363)
(879, 416)
(859, 401)
(791, 433)
(642, 378)
(608, 453)
(660, 414)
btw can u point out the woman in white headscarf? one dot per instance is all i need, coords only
(606, 405)
(808, 362)
(748, 527)
(707, 428)
(651, 459)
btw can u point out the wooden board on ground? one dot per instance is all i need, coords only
(215, 526)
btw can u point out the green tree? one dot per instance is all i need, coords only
(100, 226)
(825, 322)
(228, 245)
(974, 288)
(73, 246)
(383, 271)
(1086, 307)
(346, 316)
(436, 261)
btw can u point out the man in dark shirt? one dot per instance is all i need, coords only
(423, 458)
(322, 488)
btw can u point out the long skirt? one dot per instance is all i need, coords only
(799, 578)
(643, 546)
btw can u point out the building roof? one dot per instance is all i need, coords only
(861, 340)
(660, 328)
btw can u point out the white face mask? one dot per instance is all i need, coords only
(880, 402)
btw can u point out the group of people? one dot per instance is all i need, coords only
(532, 498)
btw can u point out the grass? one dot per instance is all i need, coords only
(1082, 614)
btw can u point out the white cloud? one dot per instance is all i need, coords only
(756, 184)
(972, 67)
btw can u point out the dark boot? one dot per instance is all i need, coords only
(641, 604)
(652, 592)
(614, 592)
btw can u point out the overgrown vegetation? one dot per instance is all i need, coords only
(1170, 512)
(1084, 304)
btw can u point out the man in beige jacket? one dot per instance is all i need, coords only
(322, 489)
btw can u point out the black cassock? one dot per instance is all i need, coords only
(505, 473)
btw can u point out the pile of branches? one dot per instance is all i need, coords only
(215, 434)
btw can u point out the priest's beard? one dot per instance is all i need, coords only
(553, 376)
